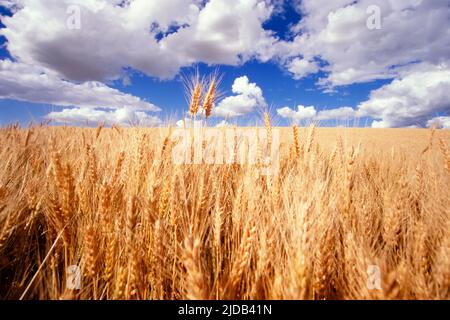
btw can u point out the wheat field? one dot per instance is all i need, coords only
(111, 202)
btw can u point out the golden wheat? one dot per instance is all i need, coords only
(141, 227)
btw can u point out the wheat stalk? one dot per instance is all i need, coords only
(296, 140)
(195, 99)
(90, 252)
(195, 283)
(210, 98)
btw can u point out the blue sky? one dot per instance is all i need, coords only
(296, 58)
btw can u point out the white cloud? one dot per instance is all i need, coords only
(24, 82)
(337, 33)
(116, 34)
(302, 113)
(111, 37)
(412, 47)
(121, 116)
(439, 122)
(6, 3)
(189, 123)
(410, 100)
(11, 5)
(248, 96)
(223, 123)
(310, 113)
(224, 32)
(343, 113)
(300, 68)
(156, 38)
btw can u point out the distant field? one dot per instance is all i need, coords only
(375, 140)
(372, 140)
(105, 213)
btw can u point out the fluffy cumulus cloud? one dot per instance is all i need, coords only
(223, 32)
(414, 99)
(248, 96)
(439, 122)
(155, 37)
(223, 124)
(411, 47)
(337, 32)
(411, 100)
(301, 113)
(23, 82)
(301, 68)
(76, 45)
(343, 113)
(189, 123)
(110, 37)
(122, 116)
(310, 113)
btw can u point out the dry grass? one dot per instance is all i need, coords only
(111, 201)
